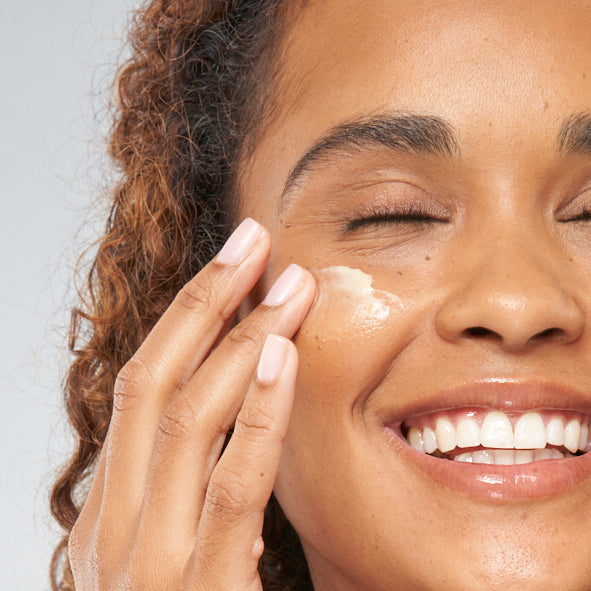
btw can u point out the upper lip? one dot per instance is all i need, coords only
(506, 394)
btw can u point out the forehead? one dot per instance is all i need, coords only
(493, 70)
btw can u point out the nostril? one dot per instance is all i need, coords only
(479, 331)
(550, 333)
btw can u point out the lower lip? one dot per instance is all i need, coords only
(496, 482)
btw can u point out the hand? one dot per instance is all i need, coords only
(165, 511)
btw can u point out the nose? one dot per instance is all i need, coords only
(513, 296)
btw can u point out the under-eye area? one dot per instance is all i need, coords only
(486, 436)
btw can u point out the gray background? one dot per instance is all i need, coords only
(55, 70)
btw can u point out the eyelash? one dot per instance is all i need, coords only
(583, 216)
(405, 213)
(577, 210)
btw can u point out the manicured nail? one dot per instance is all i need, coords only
(286, 285)
(240, 243)
(272, 359)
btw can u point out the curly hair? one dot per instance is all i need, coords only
(189, 103)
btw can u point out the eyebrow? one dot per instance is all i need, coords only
(575, 134)
(414, 134)
(403, 132)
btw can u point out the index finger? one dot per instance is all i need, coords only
(172, 352)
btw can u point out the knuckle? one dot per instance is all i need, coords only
(177, 421)
(229, 495)
(133, 378)
(173, 426)
(256, 422)
(198, 295)
(247, 335)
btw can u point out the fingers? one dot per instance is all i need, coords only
(171, 353)
(228, 539)
(193, 426)
(159, 486)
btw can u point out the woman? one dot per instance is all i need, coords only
(420, 177)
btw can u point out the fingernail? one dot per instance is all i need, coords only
(272, 359)
(286, 285)
(240, 243)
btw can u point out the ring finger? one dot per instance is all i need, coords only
(194, 425)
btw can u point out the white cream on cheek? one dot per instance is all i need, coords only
(346, 301)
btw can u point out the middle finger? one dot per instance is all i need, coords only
(194, 425)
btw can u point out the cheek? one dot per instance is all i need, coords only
(346, 346)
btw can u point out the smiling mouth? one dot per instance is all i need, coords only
(487, 436)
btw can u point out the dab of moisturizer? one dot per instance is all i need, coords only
(346, 301)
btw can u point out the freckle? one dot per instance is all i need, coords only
(262, 474)
(584, 74)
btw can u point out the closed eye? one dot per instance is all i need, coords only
(411, 215)
(583, 216)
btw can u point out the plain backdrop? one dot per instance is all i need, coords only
(56, 67)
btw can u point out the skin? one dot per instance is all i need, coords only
(505, 75)
(509, 257)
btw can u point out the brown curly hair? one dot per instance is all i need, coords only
(189, 102)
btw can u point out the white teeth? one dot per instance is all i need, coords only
(429, 440)
(555, 432)
(530, 432)
(505, 457)
(572, 432)
(523, 445)
(468, 433)
(524, 456)
(482, 456)
(542, 454)
(445, 434)
(508, 457)
(415, 438)
(496, 431)
(583, 437)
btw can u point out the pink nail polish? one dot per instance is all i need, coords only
(272, 359)
(240, 243)
(286, 285)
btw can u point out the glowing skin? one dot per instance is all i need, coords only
(357, 285)
(346, 302)
(495, 282)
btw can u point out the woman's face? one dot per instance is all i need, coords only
(461, 183)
